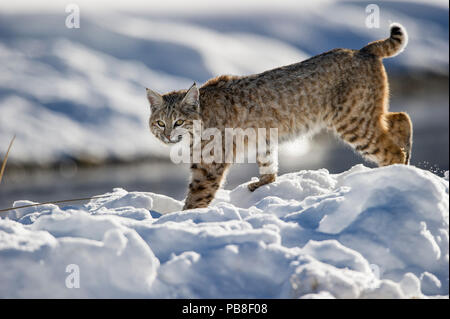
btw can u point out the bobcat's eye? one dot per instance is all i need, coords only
(160, 123)
(179, 122)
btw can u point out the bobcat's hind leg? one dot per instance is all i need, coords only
(400, 130)
(372, 139)
(384, 151)
(268, 168)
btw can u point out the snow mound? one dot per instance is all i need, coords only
(365, 233)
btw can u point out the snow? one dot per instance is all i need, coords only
(364, 233)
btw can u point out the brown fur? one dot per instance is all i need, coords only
(345, 91)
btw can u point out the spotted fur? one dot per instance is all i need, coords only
(344, 91)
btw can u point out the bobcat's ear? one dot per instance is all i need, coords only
(191, 97)
(154, 98)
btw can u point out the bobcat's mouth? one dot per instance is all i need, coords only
(170, 141)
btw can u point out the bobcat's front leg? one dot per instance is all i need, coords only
(206, 180)
(268, 168)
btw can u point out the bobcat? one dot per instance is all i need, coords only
(344, 91)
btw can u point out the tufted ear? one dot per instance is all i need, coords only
(191, 97)
(154, 98)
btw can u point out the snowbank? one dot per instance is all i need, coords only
(365, 233)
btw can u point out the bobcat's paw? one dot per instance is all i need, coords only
(252, 186)
(263, 180)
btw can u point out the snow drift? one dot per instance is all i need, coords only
(365, 233)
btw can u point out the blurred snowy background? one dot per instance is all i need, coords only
(75, 98)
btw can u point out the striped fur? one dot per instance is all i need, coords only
(344, 91)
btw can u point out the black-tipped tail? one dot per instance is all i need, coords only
(391, 46)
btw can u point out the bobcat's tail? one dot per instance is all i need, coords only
(391, 46)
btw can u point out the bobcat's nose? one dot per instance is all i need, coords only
(165, 138)
(170, 139)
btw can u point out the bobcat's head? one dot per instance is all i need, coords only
(173, 114)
